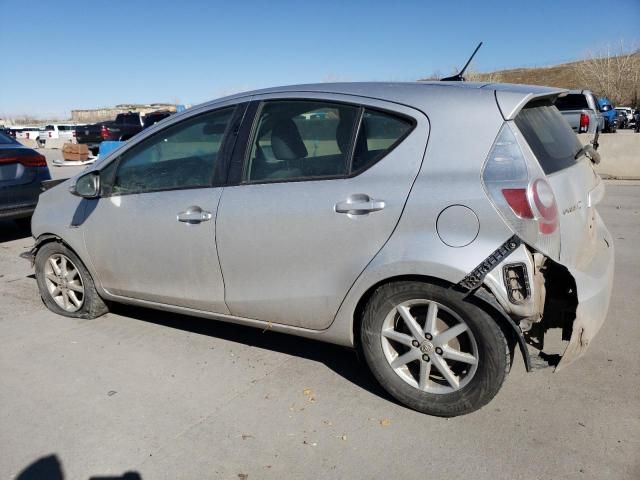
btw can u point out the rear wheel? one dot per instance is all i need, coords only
(431, 350)
(65, 284)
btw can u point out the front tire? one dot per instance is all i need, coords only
(65, 284)
(431, 350)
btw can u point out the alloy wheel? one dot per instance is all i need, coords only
(64, 282)
(429, 346)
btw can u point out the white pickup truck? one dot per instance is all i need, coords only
(56, 131)
(580, 108)
(29, 133)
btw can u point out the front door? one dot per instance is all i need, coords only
(322, 188)
(152, 234)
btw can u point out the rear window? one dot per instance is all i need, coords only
(573, 101)
(549, 135)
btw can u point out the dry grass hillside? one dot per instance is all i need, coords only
(616, 77)
(564, 75)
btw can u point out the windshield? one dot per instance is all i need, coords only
(549, 135)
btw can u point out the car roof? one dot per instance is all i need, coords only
(510, 97)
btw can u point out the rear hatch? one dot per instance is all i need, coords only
(576, 186)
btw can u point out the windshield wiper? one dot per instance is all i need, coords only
(589, 152)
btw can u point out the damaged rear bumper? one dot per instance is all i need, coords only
(594, 283)
(550, 295)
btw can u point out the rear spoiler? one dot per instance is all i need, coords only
(511, 98)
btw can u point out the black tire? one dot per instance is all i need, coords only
(92, 305)
(492, 352)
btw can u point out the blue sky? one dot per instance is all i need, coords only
(62, 55)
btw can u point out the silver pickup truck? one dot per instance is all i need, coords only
(580, 108)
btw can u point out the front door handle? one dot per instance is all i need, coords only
(359, 204)
(194, 215)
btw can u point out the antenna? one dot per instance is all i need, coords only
(458, 76)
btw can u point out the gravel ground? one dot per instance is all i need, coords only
(168, 396)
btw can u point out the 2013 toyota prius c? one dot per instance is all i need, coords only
(436, 227)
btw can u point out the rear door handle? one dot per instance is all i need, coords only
(194, 215)
(359, 204)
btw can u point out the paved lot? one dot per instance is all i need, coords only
(169, 396)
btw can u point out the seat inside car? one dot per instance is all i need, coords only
(287, 146)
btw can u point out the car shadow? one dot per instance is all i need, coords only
(50, 468)
(10, 230)
(341, 360)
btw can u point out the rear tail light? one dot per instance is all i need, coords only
(74, 133)
(27, 137)
(104, 133)
(34, 160)
(49, 134)
(518, 187)
(584, 123)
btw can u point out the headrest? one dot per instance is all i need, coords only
(286, 142)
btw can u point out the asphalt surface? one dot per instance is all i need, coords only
(168, 396)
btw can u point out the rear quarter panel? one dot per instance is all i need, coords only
(463, 129)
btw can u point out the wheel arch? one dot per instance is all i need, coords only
(480, 297)
(42, 240)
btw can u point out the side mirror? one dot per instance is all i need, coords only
(87, 186)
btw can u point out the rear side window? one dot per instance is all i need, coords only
(549, 135)
(379, 133)
(573, 101)
(301, 140)
(305, 140)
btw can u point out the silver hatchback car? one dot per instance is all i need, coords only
(435, 227)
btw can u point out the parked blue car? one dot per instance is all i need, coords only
(22, 171)
(610, 115)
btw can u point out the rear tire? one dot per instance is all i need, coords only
(454, 357)
(65, 284)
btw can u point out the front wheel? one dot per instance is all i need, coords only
(65, 284)
(432, 350)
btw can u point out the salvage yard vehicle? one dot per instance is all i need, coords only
(22, 171)
(29, 133)
(609, 114)
(125, 126)
(355, 214)
(581, 109)
(64, 132)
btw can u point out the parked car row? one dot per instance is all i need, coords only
(125, 126)
(587, 113)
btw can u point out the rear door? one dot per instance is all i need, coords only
(575, 184)
(318, 190)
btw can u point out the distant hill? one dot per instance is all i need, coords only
(564, 75)
(581, 74)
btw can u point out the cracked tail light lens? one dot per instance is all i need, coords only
(518, 188)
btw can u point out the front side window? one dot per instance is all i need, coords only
(183, 155)
(301, 140)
